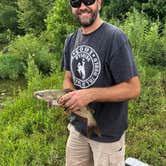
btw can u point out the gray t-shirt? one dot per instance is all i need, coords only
(102, 58)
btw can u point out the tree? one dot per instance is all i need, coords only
(118, 8)
(8, 16)
(155, 9)
(32, 14)
(8, 19)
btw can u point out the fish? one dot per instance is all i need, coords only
(52, 96)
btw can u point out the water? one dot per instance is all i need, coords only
(9, 89)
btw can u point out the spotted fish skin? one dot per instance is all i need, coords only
(51, 96)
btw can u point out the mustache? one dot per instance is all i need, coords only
(83, 11)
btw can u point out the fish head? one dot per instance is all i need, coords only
(43, 95)
(51, 95)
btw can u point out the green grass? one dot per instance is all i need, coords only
(32, 134)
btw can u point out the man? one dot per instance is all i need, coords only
(99, 64)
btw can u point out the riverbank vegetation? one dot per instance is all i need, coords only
(32, 134)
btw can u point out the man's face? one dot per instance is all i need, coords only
(86, 15)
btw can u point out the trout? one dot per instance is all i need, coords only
(51, 96)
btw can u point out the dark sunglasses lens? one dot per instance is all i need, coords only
(88, 2)
(75, 3)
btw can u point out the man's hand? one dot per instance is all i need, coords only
(76, 99)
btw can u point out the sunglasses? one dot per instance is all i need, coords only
(77, 3)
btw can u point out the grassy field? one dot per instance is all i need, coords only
(32, 134)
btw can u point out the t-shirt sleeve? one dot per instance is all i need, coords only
(122, 63)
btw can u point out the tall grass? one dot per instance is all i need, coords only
(146, 133)
(32, 134)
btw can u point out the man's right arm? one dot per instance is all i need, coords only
(68, 83)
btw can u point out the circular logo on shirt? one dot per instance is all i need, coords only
(85, 66)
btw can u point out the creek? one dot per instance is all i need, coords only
(9, 89)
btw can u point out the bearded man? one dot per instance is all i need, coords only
(111, 79)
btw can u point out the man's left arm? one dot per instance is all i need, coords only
(129, 89)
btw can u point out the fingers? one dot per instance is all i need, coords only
(68, 102)
(70, 105)
(62, 100)
(75, 100)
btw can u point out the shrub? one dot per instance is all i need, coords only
(29, 45)
(118, 9)
(155, 48)
(148, 45)
(32, 14)
(32, 134)
(8, 18)
(11, 67)
(135, 26)
(5, 38)
(145, 135)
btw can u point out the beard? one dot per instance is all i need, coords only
(86, 21)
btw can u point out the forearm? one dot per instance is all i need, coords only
(67, 83)
(121, 92)
(80, 98)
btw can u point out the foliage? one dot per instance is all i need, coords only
(32, 14)
(11, 67)
(32, 134)
(59, 24)
(22, 47)
(119, 8)
(155, 9)
(146, 132)
(148, 45)
(8, 18)
(8, 2)
(116, 9)
(8, 23)
(155, 46)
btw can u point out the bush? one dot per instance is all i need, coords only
(11, 67)
(118, 9)
(8, 18)
(32, 14)
(6, 37)
(145, 135)
(32, 134)
(155, 48)
(148, 45)
(21, 48)
(29, 45)
(135, 26)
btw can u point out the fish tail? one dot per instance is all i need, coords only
(92, 130)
